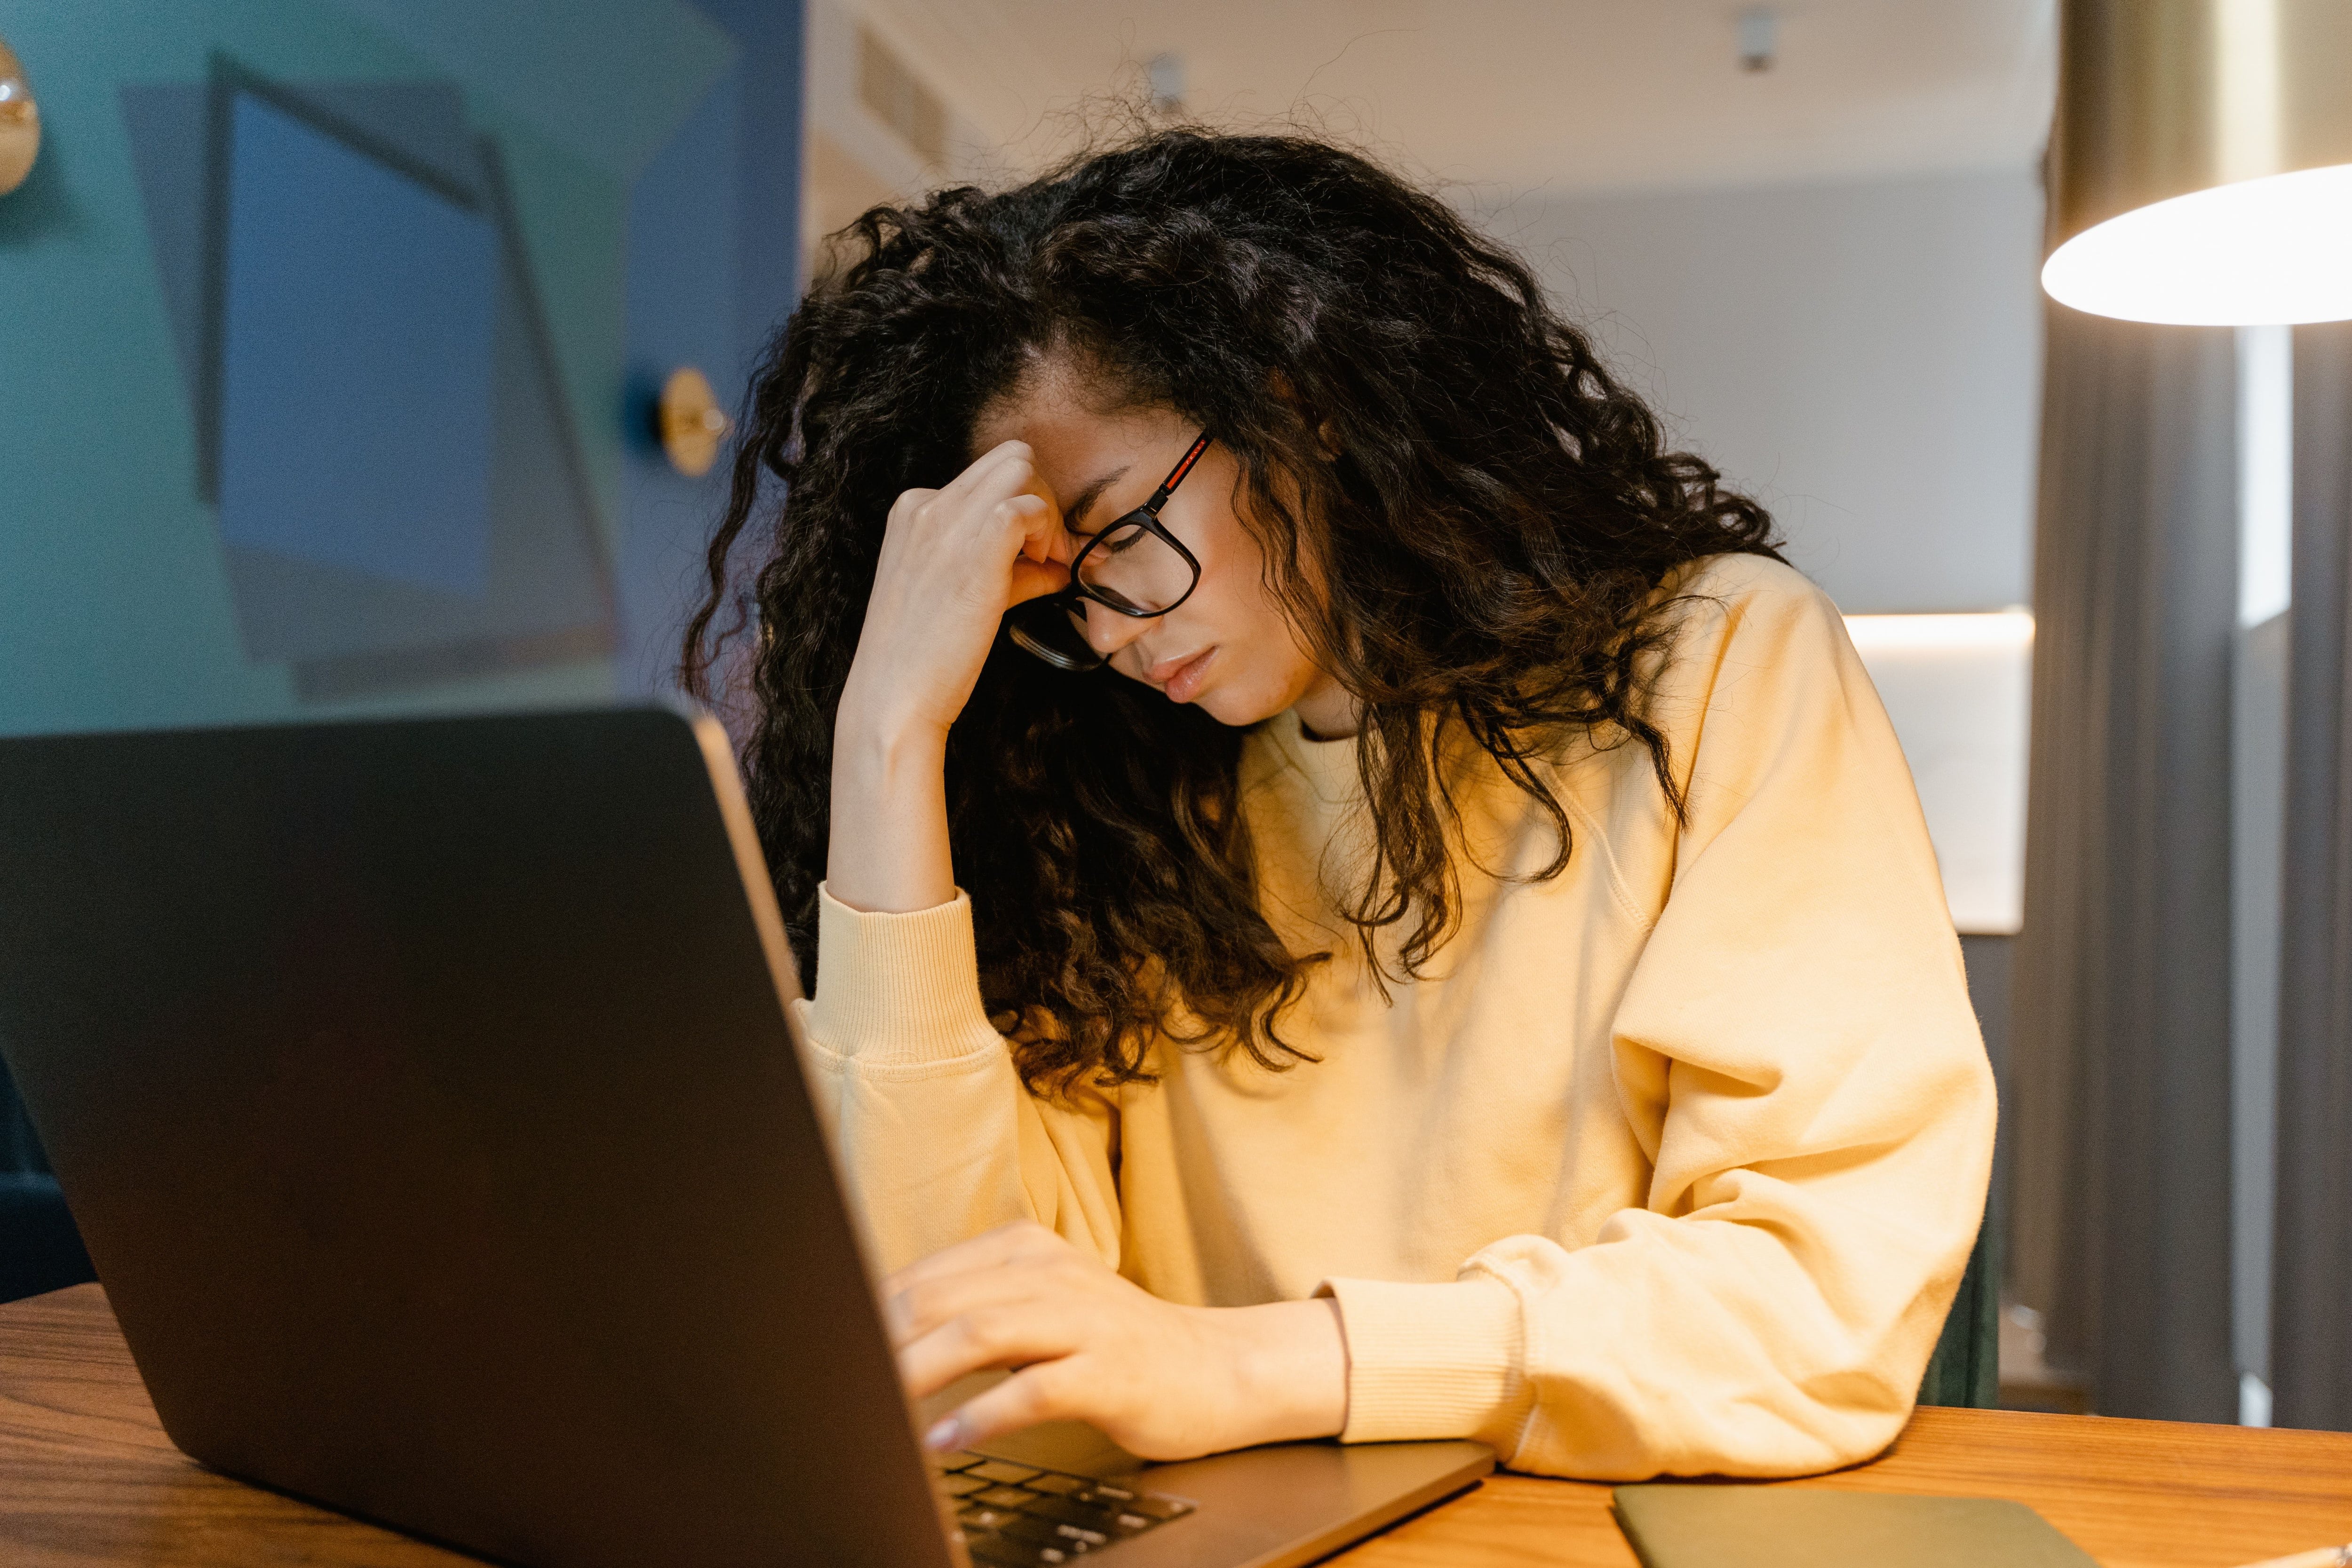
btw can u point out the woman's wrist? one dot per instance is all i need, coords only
(1290, 1366)
(887, 851)
(888, 755)
(876, 720)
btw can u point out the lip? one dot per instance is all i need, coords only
(1179, 679)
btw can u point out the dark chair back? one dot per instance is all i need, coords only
(1966, 1368)
(40, 1250)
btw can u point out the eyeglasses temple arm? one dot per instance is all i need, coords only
(1176, 475)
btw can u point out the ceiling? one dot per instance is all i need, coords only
(1508, 98)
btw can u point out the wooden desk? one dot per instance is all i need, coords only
(88, 1478)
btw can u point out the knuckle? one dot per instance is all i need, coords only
(982, 1329)
(912, 1306)
(1035, 1394)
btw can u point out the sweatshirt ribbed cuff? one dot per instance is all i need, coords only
(897, 987)
(1427, 1360)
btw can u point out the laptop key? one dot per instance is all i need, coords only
(1106, 1498)
(1001, 1471)
(1159, 1507)
(1049, 1532)
(1069, 1511)
(961, 1459)
(986, 1518)
(1003, 1552)
(1059, 1517)
(1036, 1531)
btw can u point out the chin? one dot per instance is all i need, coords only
(1236, 711)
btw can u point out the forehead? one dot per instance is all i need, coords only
(1078, 432)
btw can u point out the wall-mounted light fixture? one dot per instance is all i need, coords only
(2202, 162)
(692, 425)
(20, 122)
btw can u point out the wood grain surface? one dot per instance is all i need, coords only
(2133, 1494)
(87, 1478)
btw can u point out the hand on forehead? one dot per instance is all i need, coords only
(1100, 454)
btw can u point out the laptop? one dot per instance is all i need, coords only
(425, 1091)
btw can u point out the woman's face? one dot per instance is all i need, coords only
(1231, 647)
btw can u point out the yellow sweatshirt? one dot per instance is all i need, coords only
(1670, 1163)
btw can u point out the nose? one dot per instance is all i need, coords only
(1108, 631)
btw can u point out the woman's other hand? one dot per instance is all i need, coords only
(953, 561)
(1163, 1381)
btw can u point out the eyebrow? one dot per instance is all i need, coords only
(1084, 501)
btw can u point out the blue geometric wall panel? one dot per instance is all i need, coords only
(401, 494)
(357, 348)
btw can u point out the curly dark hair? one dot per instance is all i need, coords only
(1467, 516)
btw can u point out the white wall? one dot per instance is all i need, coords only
(855, 159)
(1865, 358)
(1958, 690)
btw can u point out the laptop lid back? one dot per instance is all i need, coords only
(424, 1094)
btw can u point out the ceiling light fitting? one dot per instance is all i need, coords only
(2201, 166)
(1164, 73)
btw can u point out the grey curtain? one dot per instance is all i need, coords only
(2120, 1047)
(2311, 1303)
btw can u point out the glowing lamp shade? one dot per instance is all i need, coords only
(2200, 165)
(2257, 253)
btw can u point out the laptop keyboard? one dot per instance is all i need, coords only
(1013, 1514)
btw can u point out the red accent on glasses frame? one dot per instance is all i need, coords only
(1176, 475)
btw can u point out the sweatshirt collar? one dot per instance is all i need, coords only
(1327, 766)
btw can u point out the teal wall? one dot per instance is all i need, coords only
(114, 606)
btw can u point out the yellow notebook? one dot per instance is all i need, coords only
(1698, 1525)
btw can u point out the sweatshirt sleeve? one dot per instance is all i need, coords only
(1798, 1058)
(937, 1137)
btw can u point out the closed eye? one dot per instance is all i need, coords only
(1083, 502)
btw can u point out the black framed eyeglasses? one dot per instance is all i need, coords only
(1134, 566)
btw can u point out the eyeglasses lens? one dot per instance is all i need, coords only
(1055, 630)
(1132, 569)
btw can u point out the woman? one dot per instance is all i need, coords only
(1447, 947)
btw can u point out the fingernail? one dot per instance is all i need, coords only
(945, 1435)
